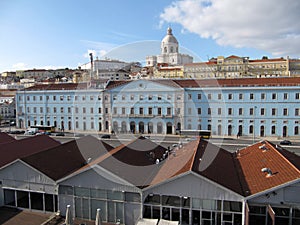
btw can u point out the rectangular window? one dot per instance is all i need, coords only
(115, 111)
(296, 112)
(189, 96)
(141, 110)
(91, 98)
(83, 98)
(240, 111)
(159, 97)
(199, 96)
(69, 110)
(251, 111)
(123, 110)
(99, 110)
(199, 111)
(123, 97)
(106, 110)
(69, 98)
(33, 98)
(169, 111)
(274, 96)
(61, 97)
(62, 109)
(54, 98)
(241, 96)
(251, 96)
(131, 97)
(178, 97)
(141, 97)
(262, 96)
(230, 111)
(285, 111)
(159, 111)
(54, 109)
(41, 98)
(209, 111)
(262, 111)
(132, 111)
(83, 110)
(150, 111)
(297, 96)
(48, 109)
(219, 96)
(230, 97)
(41, 110)
(34, 109)
(150, 97)
(209, 96)
(219, 111)
(274, 111)
(189, 111)
(285, 96)
(91, 110)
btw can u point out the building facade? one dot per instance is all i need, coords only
(260, 107)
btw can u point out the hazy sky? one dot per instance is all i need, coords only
(58, 34)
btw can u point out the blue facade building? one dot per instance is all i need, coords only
(249, 107)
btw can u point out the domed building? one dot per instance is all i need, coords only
(169, 52)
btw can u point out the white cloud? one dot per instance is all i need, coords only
(269, 25)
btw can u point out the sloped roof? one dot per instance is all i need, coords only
(62, 160)
(254, 158)
(6, 138)
(60, 86)
(24, 147)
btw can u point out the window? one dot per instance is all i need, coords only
(199, 96)
(115, 111)
(69, 109)
(241, 96)
(76, 110)
(159, 97)
(99, 110)
(274, 96)
(91, 110)
(285, 96)
(169, 111)
(132, 110)
(150, 112)
(285, 111)
(33, 98)
(83, 110)
(54, 98)
(123, 110)
(189, 111)
(141, 110)
(251, 111)
(297, 96)
(106, 110)
(34, 109)
(230, 111)
(159, 111)
(296, 112)
(274, 111)
(141, 97)
(169, 97)
(62, 109)
(150, 97)
(99, 97)
(209, 96)
(41, 98)
(273, 129)
(54, 109)
(240, 111)
(68, 97)
(199, 111)
(251, 96)
(115, 97)
(230, 97)
(61, 97)
(262, 96)
(178, 97)
(91, 98)
(83, 98)
(219, 111)
(262, 111)
(189, 96)
(209, 111)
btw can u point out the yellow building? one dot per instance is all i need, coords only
(168, 72)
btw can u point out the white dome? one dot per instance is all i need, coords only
(169, 38)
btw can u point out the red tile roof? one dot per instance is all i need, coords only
(253, 159)
(24, 147)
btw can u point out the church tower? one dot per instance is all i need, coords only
(169, 43)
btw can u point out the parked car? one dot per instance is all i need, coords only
(285, 142)
(105, 136)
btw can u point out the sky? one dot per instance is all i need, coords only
(51, 34)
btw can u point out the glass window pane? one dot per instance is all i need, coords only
(22, 199)
(153, 199)
(9, 197)
(132, 197)
(49, 203)
(98, 193)
(171, 200)
(65, 190)
(111, 212)
(79, 191)
(36, 200)
(115, 195)
(120, 212)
